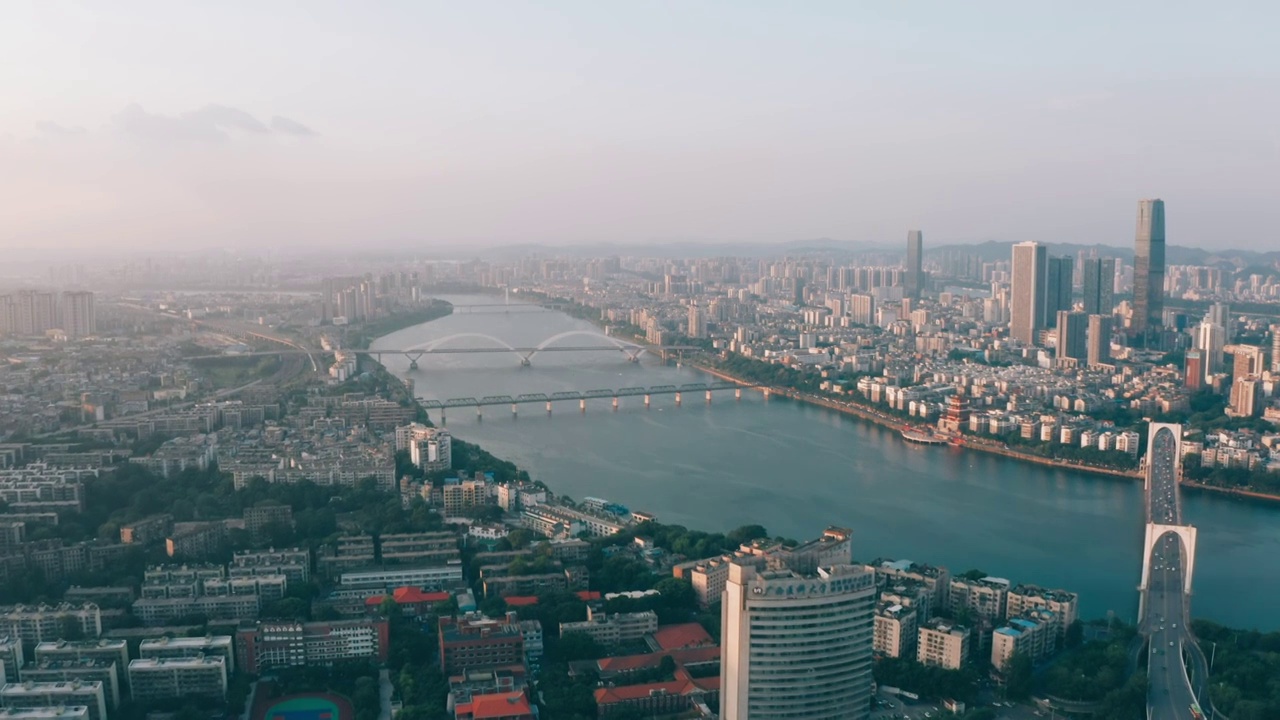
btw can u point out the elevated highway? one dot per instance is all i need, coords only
(1169, 552)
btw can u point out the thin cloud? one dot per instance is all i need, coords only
(209, 124)
(48, 127)
(290, 127)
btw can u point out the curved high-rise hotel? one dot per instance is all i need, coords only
(797, 642)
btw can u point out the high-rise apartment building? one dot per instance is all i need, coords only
(1072, 328)
(78, 316)
(1099, 350)
(797, 645)
(1148, 267)
(57, 693)
(159, 678)
(1220, 314)
(1193, 370)
(1275, 348)
(697, 322)
(1245, 381)
(1058, 282)
(942, 643)
(1028, 290)
(914, 279)
(1210, 340)
(1099, 283)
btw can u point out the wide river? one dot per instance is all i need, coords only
(796, 468)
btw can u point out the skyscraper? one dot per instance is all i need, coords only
(1072, 327)
(1028, 292)
(697, 322)
(1148, 267)
(1245, 382)
(1275, 348)
(797, 644)
(1058, 280)
(1210, 341)
(1193, 373)
(1099, 280)
(1099, 350)
(79, 319)
(915, 264)
(1220, 313)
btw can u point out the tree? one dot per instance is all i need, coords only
(578, 646)
(1018, 677)
(1074, 635)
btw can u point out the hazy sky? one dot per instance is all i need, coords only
(244, 124)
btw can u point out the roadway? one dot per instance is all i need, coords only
(1169, 694)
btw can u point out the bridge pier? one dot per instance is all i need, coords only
(413, 364)
(615, 404)
(737, 394)
(479, 413)
(582, 405)
(443, 420)
(548, 407)
(677, 399)
(646, 402)
(525, 362)
(513, 410)
(708, 397)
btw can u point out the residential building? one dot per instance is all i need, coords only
(114, 652)
(1033, 635)
(943, 643)
(258, 520)
(63, 712)
(476, 642)
(146, 530)
(895, 630)
(434, 577)
(1022, 599)
(797, 644)
(1058, 284)
(184, 647)
(289, 643)
(40, 623)
(293, 563)
(613, 629)
(1072, 328)
(79, 318)
(985, 598)
(914, 278)
(1098, 351)
(1030, 266)
(1099, 283)
(420, 548)
(429, 448)
(199, 540)
(936, 579)
(84, 670)
(59, 693)
(188, 677)
(11, 658)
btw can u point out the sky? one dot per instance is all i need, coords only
(169, 124)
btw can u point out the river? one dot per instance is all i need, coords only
(796, 468)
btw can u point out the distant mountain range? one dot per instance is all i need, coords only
(989, 251)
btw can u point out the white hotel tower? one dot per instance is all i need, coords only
(796, 644)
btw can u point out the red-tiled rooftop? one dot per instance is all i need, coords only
(521, 600)
(641, 662)
(607, 695)
(409, 596)
(499, 705)
(588, 595)
(685, 635)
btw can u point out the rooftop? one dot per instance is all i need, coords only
(496, 706)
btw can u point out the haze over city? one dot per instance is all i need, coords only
(152, 125)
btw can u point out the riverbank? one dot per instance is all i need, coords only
(895, 423)
(989, 446)
(362, 336)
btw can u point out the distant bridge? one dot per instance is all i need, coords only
(440, 346)
(583, 396)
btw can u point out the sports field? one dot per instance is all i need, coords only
(306, 707)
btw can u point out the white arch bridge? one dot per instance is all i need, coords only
(491, 344)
